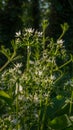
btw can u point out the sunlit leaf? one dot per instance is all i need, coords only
(5, 97)
(61, 122)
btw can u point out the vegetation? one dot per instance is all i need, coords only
(36, 78)
(35, 98)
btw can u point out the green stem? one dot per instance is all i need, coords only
(61, 35)
(71, 102)
(44, 115)
(60, 67)
(44, 41)
(17, 112)
(17, 90)
(3, 67)
(28, 57)
(61, 75)
(40, 110)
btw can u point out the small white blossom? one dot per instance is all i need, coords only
(4, 74)
(18, 65)
(19, 88)
(52, 77)
(29, 30)
(45, 95)
(60, 41)
(11, 70)
(36, 98)
(18, 34)
(40, 73)
(31, 62)
(36, 115)
(39, 33)
(16, 69)
(70, 82)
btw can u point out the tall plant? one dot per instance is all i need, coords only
(35, 98)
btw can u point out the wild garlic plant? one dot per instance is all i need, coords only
(27, 94)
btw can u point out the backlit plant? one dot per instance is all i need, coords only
(35, 98)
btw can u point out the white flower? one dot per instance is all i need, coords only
(11, 70)
(40, 73)
(36, 115)
(18, 34)
(29, 30)
(19, 88)
(16, 69)
(36, 98)
(70, 82)
(60, 41)
(39, 33)
(18, 65)
(52, 77)
(31, 62)
(4, 74)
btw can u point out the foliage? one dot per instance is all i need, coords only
(40, 96)
(61, 11)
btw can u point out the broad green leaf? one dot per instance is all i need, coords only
(55, 109)
(62, 122)
(4, 94)
(5, 97)
(59, 107)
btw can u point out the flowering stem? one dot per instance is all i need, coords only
(59, 77)
(17, 90)
(40, 110)
(28, 56)
(60, 67)
(44, 115)
(71, 102)
(3, 67)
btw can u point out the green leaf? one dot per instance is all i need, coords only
(61, 122)
(5, 97)
(55, 109)
(4, 94)
(65, 26)
(59, 107)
